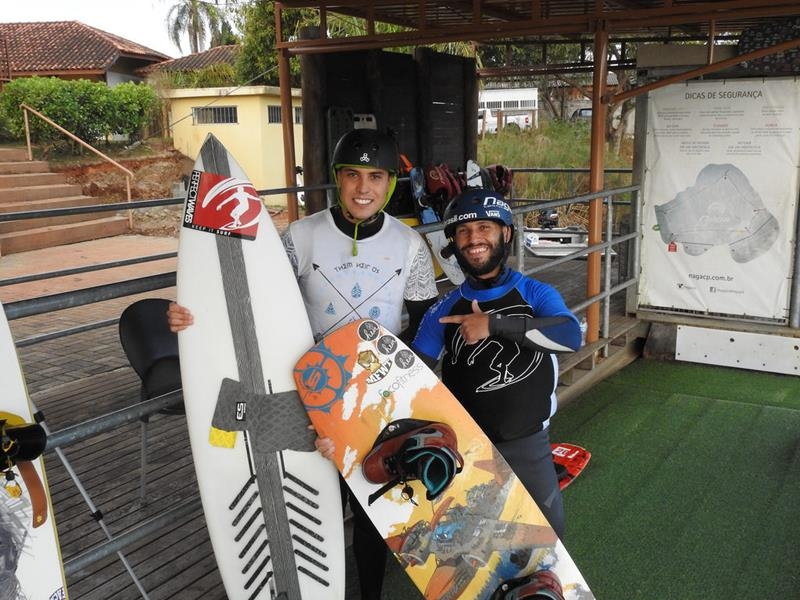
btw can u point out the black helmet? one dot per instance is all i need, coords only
(366, 148)
(475, 204)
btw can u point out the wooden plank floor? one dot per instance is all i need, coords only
(86, 375)
(174, 562)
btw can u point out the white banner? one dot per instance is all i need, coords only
(720, 196)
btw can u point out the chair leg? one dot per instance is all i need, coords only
(143, 471)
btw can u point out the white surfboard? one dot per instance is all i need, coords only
(271, 502)
(449, 265)
(31, 558)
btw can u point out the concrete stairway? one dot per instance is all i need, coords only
(29, 185)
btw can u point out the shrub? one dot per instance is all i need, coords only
(133, 106)
(89, 110)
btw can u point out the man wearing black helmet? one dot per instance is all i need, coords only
(497, 335)
(354, 261)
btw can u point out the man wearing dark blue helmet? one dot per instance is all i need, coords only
(497, 335)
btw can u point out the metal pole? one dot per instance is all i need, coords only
(111, 421)
(519, 248)
(606, 326)
(130, 536)
(637, 241)
(794, 297)
(96, 514)
(43, 304)
(27, 132)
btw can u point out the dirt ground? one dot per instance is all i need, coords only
(158, 175)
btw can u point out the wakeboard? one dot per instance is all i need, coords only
(386, 410)
(31, 557)
(570, 460)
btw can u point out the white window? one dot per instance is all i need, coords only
(205, 115)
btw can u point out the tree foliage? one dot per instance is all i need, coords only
(257, 62)
(132, 106)
(89, 110)
(200, 21)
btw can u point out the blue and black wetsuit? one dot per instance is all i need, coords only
(507, 381)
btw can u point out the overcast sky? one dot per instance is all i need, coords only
(140, 21)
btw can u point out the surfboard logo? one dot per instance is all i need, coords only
(227, 206)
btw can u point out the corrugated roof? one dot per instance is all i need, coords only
(431, 21)
(67, 46)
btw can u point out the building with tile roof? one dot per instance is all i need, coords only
(198, 60)
(71, 50)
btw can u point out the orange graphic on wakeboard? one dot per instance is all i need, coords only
(478, 531)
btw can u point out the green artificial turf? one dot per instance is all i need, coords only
(693, 489)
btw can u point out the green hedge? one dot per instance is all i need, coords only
(90, 110)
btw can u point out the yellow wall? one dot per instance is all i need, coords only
(256, 144)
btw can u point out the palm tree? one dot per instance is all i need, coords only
(196, 18)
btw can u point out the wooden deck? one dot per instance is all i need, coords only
(86, 375)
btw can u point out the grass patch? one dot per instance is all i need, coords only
(692, 487)
(555, 144)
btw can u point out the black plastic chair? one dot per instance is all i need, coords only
(152, 351)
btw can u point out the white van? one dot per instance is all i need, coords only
(520, 121)
(519, 107)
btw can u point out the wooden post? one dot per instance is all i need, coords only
(315, 155)
(596, 177)
(287, 123)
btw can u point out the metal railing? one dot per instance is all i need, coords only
(111, 421)
(128, 173)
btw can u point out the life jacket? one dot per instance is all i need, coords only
(440, 180)
(413, 449)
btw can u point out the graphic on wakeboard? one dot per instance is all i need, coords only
(445, 501)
